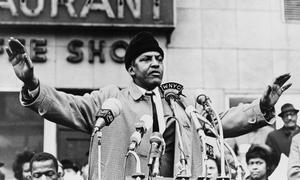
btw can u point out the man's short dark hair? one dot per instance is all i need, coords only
(20, 160)
(68, 164)
(261, 151)
(43, 156)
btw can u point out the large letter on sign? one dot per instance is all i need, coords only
(38, 50)
(9, 5)
(74, 48)
(32, 12)
(104, 6)
(67, 3)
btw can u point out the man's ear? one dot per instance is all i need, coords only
(131, 71)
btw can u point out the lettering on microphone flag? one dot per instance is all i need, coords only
(106, 114)
(172, 88)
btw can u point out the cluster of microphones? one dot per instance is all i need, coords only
(112, 108)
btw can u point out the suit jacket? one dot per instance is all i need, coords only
(78, 112)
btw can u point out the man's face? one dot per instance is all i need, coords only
(257, 168)
(147, 70)
(44, 170)
(26, 171)
(290, 119)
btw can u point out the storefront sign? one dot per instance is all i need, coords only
(96, 13)
(75, 48)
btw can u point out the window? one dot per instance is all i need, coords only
(73, 144)
(20, 129)
(291, 10)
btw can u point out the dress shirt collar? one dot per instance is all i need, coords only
(137, 92)
(134, 91)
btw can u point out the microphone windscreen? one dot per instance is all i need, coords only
(114, 105)
(156, 137)
(201, 99)
(147, 119)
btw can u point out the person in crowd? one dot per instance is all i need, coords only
(280, 140)
(60, 171)
(85, 171)
(71, 170)
(2, 175)
(294, 159)
(44, 165)
(213, 168)
(21, 166)
(259, 159)
(145, 95)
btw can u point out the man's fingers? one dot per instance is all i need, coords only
(9, 53)
(269, 89)
(282, 79)
(15, 46)
(27, 61)
(283, 88)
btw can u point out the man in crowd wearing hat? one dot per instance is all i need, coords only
(144, 61)
(280, 140)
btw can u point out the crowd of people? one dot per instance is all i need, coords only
(144, 62)
(29, 165)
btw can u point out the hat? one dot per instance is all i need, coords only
(140, 43)
(286, 108)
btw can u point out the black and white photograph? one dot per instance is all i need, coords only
(149, 89)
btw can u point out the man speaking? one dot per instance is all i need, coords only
(144, 61)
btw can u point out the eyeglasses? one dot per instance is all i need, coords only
(46, 173)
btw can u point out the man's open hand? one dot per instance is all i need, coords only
(21, 63)
(274, 91)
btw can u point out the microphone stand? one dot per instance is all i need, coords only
(239, 167)
(99, 136)
(212, 112)
(135, 139)
(183, 173)
(199, 128)
(138, 175)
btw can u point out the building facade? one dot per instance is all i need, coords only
(227, 49)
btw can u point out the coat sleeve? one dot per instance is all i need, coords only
(294, 159)
(243, 119)
(77, 112)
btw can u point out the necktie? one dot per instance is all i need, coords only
(155, 127)
(167, 160)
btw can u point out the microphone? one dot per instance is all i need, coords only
(202, 99)
(157, 149)
(141, 128)
(111, 108)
